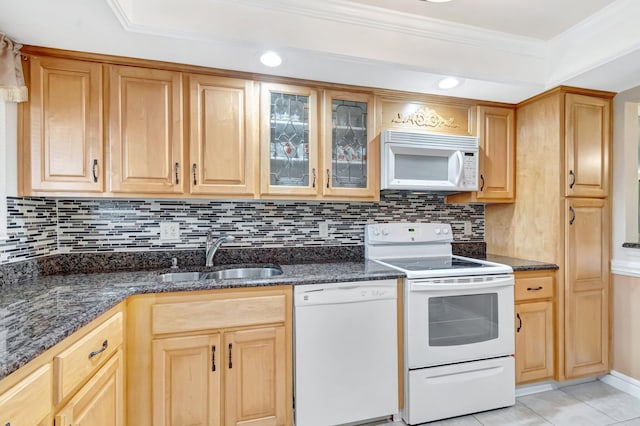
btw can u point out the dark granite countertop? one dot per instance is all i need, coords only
(35, 316)
(38, 313)
(519, 265)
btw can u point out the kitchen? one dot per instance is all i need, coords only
(127, 230)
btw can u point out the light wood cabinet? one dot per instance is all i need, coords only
(219, 357)
(29, 401)
(188, 373)
(588, 133)
(145, 131)
(186, 380)
(587, 287)
(63, 140)
(66, 385)
(535, 341)
(223, 151)
(497, 161)
(100, 401)
(562, 216)
(255, 380)
(289, 141)
(75, 364)
(350, 148)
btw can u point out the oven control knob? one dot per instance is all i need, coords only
(385, 231)
(437, 231)
(375, 231)
(445, 231)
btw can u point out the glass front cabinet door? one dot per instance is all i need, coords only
(289, 140)
(349, 146)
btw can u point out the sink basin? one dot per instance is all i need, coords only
(247, 273)
(224, 274)
(182, 276)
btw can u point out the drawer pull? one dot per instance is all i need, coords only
(105, 344)
(534, 288)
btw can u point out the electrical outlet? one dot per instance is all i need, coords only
(467, 228)
(169, 231)
(323, 229)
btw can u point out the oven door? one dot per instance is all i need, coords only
(450, 320)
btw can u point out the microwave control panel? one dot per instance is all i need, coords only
(469, 171)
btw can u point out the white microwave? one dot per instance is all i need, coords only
(421, 161)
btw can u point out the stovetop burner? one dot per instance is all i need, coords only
(432, 263)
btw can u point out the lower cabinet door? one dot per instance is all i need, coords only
(256, 380)
(100, 401)
(534, 341)
(186, 381)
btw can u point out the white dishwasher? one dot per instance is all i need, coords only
(346, 352)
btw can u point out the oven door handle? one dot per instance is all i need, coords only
(431, 286)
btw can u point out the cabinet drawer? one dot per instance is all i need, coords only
(213, 314)
(534, 287)
(33, 392)
(81, 359)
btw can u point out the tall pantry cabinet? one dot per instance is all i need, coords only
(562, 215)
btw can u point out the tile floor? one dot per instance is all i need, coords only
(588, 404)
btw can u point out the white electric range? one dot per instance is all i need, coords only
(458, 322)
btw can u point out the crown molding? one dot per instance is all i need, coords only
(345, 12)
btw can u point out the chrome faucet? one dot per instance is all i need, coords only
(213, 246)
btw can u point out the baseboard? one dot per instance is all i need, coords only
(523, 390)
(623, 382)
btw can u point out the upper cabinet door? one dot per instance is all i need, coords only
(350, 147)
(496, 174)
(65, 126)
(224, 136)
(289, 140)
(145, 131)
(587, 121)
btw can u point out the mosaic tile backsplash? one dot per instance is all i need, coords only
(32, 229)
(46, 226)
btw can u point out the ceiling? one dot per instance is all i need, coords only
(542, 19)
(502, 50)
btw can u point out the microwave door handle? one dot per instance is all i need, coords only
(460, 166)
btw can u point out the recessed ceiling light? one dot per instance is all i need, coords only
(438, 1)
(271, 59)
(448, 83)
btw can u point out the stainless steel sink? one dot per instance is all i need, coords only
(182, 276)
(224, 274)
(246, 273)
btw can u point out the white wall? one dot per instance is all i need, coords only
(625, 261)
(8, 158)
